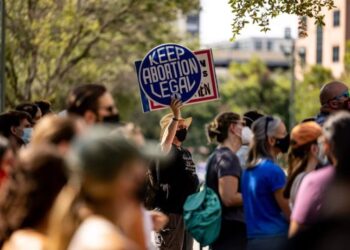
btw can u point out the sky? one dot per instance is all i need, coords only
(216, 19)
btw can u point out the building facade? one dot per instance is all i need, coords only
(273, 51)
(326, 45)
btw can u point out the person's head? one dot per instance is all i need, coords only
(30, 190)
(32, 109)
(131, 132)
(44, 106)
(106, 162)
(270, 139)
(14, 124)
(53, 129)
(105, 170)
(336, 137)
(226, 126)
(334, 96)
(304, 151)
(182, 127)
(94, 103)
(249, 118)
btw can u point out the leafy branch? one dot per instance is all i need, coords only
(260, 12)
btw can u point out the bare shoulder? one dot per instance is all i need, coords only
(97, 233)
(25, 239)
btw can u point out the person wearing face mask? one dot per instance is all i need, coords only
(312, 191)
(334, 96)
(15, 126)
(303, 158)
(247, 136)
(94, 103)
(223, 176)
(266, 210)
(176, 178)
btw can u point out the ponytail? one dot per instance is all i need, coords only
(217, 130)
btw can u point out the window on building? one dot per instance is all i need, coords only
(335, 54)
(336, 18)
(192, 24)
(258, 45)
(319, 44)
(269, 45)
(236, 46)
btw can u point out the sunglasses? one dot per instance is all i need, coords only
(345, 94)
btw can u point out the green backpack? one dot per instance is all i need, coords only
(202, 215)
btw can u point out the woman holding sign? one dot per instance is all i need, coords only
(177, 179)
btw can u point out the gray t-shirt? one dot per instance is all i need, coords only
(295, 188)
(223, 162)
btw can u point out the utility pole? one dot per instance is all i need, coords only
(292, 87)
(289, 52)
(2, 55)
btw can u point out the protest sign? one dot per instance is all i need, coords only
(207, 90)
(169, 70)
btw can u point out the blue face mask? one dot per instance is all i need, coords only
(27, 135)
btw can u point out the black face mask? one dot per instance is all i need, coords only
(283, 144)
(112, 119)
(181, 134)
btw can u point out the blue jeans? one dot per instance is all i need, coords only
(267, 243)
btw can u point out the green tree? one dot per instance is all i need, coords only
(253, 87)
(52, 45)
(262, 11)
(307, 92)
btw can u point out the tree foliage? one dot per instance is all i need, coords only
(253, 87)
(307, 92)
(260, 12)
(54, 44)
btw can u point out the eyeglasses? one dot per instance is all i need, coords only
(268, 120)
(345, 94)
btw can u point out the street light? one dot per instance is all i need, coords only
(2, 55)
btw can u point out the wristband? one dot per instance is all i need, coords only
(175, 119)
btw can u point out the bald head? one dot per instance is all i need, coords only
(331, 90)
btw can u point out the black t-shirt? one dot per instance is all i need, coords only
(223, 162)
(178, 179)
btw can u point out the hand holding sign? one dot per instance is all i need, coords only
(175, 106)
(169, 70)
(167, 74)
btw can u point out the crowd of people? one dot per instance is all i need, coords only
(82, 179)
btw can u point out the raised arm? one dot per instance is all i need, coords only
(170, 131)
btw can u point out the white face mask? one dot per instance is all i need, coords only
(247, 136)
(321, 156)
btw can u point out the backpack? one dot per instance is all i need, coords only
(202, 215)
